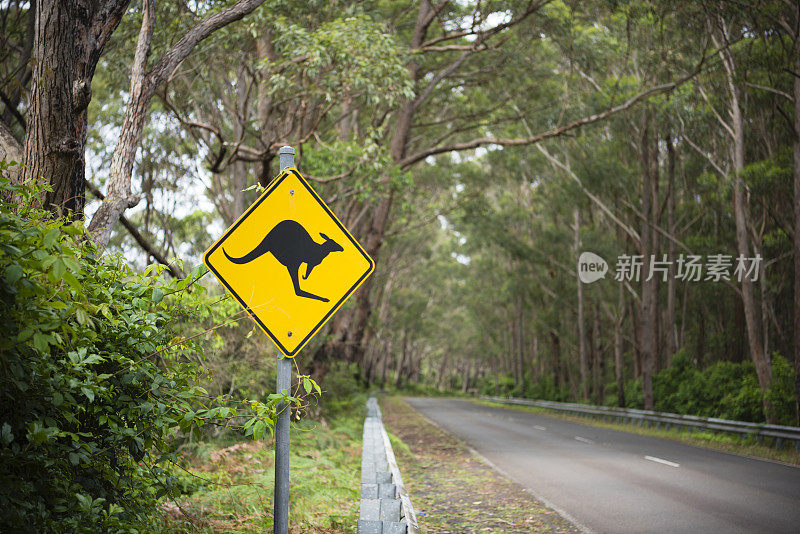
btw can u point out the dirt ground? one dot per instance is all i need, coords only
(455, 492)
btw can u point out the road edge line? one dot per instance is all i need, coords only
(563, 513)
(705, 447)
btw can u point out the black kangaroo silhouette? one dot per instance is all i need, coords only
(292, 245)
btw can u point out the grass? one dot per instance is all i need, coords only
(228, 485)
(720, 441)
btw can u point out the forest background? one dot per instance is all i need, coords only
(475, 149)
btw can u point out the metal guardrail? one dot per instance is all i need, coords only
(778, 433)
(385, 505)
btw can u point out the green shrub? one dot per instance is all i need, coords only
(725, 390)
(94, 380)
(781, 392)
(681, 387)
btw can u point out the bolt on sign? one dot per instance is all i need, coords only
(289, 262)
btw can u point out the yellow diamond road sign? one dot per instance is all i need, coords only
(289, 262)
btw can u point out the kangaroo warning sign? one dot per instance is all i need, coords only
(289, 262)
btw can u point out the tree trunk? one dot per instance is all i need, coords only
(143, 86)
(68, 40)
(240, 167)
(583, 353)
(347, 333)
(556, 342)
(598, 385)
(118, 195)
(520, 348)
(440, 384)
(637, 344)
(10, 150)
(618, 360)
(670, 331)
(796, 179)
(401, 362)
(649, 287)
(465, 377)
(655, 249)
(751, 311)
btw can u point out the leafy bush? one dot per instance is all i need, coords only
(725, 389)
(94, 380)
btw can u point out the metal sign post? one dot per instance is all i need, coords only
(282, 425)
(265, 261)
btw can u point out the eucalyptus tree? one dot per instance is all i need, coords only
(68, 40)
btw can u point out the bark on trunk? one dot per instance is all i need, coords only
(583, 350)
(556, 342)
(740, 206)
(143, 86)
(618, 359)
(68, 40)
(670, 331)
(119, 196)
(796, 176)
(10, 150)
(240, 167)
(598, 367)
(647, 333)
(520, 349)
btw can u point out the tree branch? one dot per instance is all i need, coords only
(143, 87)
(555, 162)
(180, 50)
(520, 141)
(10, 147)
(778, 92)
(148, 247)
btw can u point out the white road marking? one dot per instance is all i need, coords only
(584, 440)
(580, 526)
(661, 461)
(538, 427)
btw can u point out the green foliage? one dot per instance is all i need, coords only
(725, 389)
(364, 58)
(95, 380)
(228, 485)
(344, 392)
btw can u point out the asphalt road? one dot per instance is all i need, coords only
(609, 481)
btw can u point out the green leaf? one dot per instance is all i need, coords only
(69, 278)
(40, 342)
(71, 263)
(13, 273)
(89, 393)
(58, 399)
(50, 237)
(24, 335)
(158, 295)
(59, 268)
(258, 429)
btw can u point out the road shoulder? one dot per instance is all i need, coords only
(455, 491)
